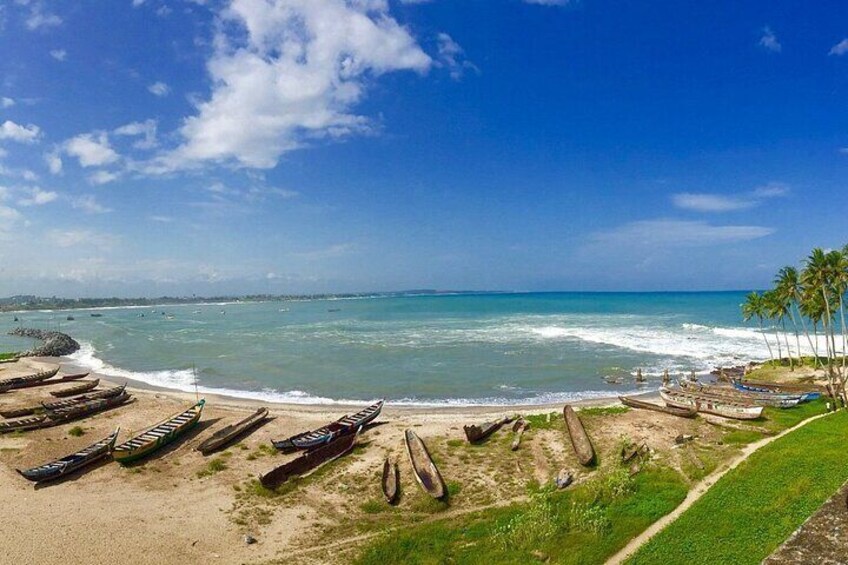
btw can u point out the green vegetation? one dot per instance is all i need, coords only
(586, 524)
(76, 431)
(603, 410)
(755, 507)
(216, 465)
(5, 356)
(550, 421)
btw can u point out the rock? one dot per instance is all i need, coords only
(683, 438)
(564, 478)
(248, 539)
(539, 555)
(55, 344)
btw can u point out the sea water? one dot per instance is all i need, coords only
(442, 349)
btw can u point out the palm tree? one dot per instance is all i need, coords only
(775, 311)
(754, 307)
(818, 278)
(789, 288)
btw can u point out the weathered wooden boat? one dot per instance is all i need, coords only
(158, 436)
(68, 402)
(81, 388)
(70, 463)
(343, 426)
(227, 434)
(305, 464)
(475, 433)
(87, 408)
(391, 481)
(710, 405)
(24, 424)
(20, 411)
(423, 467)
(776, 400)
(29, 380)
(635, 403)
(519, 428)
(579, 438)
(72, 377)
(806, 395)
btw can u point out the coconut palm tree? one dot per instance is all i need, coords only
(817, 276)
(775, 311)
(753, 307)
(789, 288)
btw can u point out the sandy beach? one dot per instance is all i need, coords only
(170, 509)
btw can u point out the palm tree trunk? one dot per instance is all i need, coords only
(763, 331)
(814, 347)
(797, 337)
(786, 341)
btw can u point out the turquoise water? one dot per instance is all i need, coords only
(457, 349)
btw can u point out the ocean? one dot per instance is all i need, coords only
(480, 349)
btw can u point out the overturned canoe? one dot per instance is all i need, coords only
(391, 481)
(68, 402)
(158, 436)
(579, 438)
(309, 461)
(86, 409)
(343, 426)
(423, 467)
(710, 405)
(73, 462)
(229, 433)
(82, 387)
(475, 433)
(681, 412)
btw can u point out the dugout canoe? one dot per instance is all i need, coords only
(82, 387)
(391, 481)
(710, 405)
(158, 436)
(28, 380)
(806, 394)
(307, 463)
(229, 433)
(475, 433)
(681, 412)
(73, 462)
(85, 409)
(579, 438)
(775, 400)
(343, 426)
(24, 424)
(68, 402)
(423, 467)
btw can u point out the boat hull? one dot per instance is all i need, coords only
(423, 467)
(579, 438)
(136, 449)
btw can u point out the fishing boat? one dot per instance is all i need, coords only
(68, 402)
(776, 400)
(227, 434)
(343, 426)
(634, 403)
(423, 467)
(579, 438)
(24, 424)
(391, 481)
(28, 380)
(806, 394)
(85, 409)
(710, 405)
(475, 433)
(158, 436)
(70, 463)
(81, 388)
(307, 463)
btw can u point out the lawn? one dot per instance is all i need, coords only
(755, 507)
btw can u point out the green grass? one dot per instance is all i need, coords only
(742, 437)
(76, 431)
(779, 419)
(586, 524)
(5, 356)
(755, 507)
(216, 465)
(545, 421)
(602, 410)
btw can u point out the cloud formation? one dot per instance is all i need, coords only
(676, 233)
(710, 202)
(91, 149)
(840, 48)
(769, 41)
(159, 89)
(452, 56)
(22, 134)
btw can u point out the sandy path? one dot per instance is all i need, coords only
(697, 492)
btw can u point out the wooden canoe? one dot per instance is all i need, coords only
(391, 481)
(68, 402)
(710, 405)
(423, 467)
(307, 463)
(760, 399)
(681, 412)
(86, 409)
(519, 428)
(24, 424)
(475, 433)
(28, 380)
(82, 387)
(158, 436)
(343, 426)
(797, 388)
(229, 433)
(579, 438)
(70, 463)
(806, 395)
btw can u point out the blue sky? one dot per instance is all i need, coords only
(189, 146)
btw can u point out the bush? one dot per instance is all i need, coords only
(76, 431)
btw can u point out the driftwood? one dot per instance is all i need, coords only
(475, 433)
(519, 428)
(579, 438)
(391, 481)
(564, 478)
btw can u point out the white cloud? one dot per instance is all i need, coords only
(6, 102)
(54, 162)
(137, 3)
(22, 134)
(102, 177)
(843, 150)
(331, 252)
(82, 238)
(676, 233)
(59, 54)
(145, 129)
(92, 149)
(88, 204)
(548, 2)
(840, 48)
(39, 18)
(162, 219)
(769, 41)
(159, 89)
(708, 202)
(452, 56)
(289, 71)
(7, 216)
(37, 197)
(770, 190)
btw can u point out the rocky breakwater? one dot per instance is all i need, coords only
(54, 344)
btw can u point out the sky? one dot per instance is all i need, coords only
(180, 147)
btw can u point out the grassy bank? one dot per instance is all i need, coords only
(755, 507)
(583, 525)
(6, 356)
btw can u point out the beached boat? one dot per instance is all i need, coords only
(710, 405)
(579, 438)
(806, 394)
(68, 464)
(475, 433)
(423, 467)
(634, 403)
(391, 481)
(343, 426)
(28, 380)
(24, 424)
(519, 427)
(82, 387)
(20, 411)
(227, 434)
(87, 408)
(158, 436)
(776, 400)
(305, 464)
(68, 402)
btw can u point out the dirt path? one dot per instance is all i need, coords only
(697, 492)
